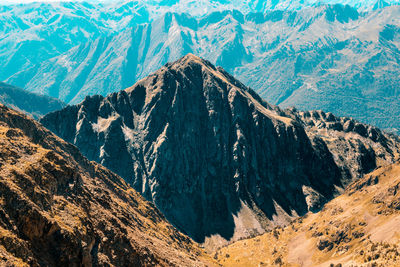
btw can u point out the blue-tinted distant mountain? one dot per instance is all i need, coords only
(258, 5)
(32, 33)
(328, 57)
(27, 102)
(268, 5)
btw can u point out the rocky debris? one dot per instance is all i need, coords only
(214, 157)
(59, 209)
(324, 244)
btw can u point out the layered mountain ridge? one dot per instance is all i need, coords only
(27, 102)
(308, 58)
(219, 162)
(59, 209)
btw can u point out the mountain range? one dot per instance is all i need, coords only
(330, 57)
(200, 133)
(32, 33)
(218, 161)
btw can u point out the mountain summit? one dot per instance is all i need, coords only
(218, 161)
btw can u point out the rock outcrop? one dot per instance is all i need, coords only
(216, 159)
(357, 148)
(59, 209)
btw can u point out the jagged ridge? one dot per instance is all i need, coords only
(215, 158)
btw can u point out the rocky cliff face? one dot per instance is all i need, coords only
(59, 209)
(215, 158)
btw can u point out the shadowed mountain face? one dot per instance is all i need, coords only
(27, 102)
(59, 209)
(215, 158)
(308, 58)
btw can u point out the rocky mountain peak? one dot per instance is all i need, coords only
(191, 58)
(193, 67)
(218, 161)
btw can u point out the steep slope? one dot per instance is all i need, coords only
(309, 58)
(218, 161)
(59, 209)
(359, 228)
(27, 102)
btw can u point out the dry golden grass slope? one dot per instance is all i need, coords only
(358, 228)
(59, 209)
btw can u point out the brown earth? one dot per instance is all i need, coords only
(59, 209)
(358, 228)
